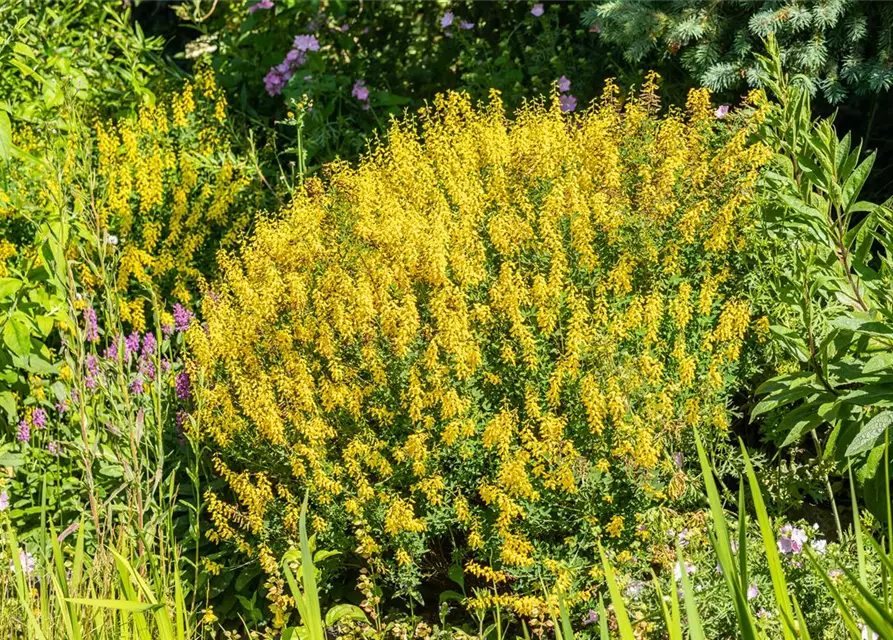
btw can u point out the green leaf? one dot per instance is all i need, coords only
(17, 335)
(9, 286)
(880, 362)
(5, 136)
(869, 434)
(451, 596)
(120, 605)
(345, 612)
(854, 183)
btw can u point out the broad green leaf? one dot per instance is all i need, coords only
(868, 435)
(880, 362)
(17, 335)
(9, 286)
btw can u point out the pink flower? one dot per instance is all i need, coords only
(263, 4)
(722, 111)
(360, 91)
(447, 19)
(537, 10)
(568, 103)
(564, 84)
(306, 43)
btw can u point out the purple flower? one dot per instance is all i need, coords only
(568, 103)
(24, 433)
(182, 317)
(677, 458)
(274, 82)
(467, 26)
(447, 19)
(306, 43)
(591, 618)
(360, 91)
(784, 545)
(61, 407)
(39, 418)
(564, 84)
(4, 501)
(294, 58)
(91, 329)
(752, 592)
(722, 111)
(149, 345)
(183, 385)
(167, 330)
(92, 365)
(345, 27)
(537, 10)
(111, 351)
(263, 4)
(53, 448)
(136, 387)
(791, 540)
(131, 344)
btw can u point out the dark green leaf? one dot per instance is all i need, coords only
(868, 435)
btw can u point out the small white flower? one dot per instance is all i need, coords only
(112, 240)
(819, 545)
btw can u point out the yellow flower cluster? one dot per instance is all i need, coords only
(489, 326)
(165, 190)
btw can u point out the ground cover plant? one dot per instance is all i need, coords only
(536, 355)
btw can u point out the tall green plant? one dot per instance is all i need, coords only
(831, 275)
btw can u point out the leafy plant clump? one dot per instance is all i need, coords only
(489, 338)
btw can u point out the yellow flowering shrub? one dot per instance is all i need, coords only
(162, 189)
(487, 339)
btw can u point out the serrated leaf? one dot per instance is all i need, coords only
(869, 434)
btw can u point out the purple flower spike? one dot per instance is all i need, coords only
(183, 386)
(91, 329)
(24, 433)
(54, 448)
(182, 317)
(136, 387)
(39, 418)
